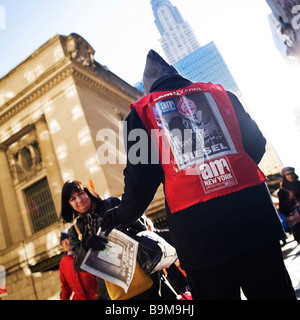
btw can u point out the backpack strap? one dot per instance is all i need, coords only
(78, 232)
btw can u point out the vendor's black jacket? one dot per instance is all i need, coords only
(215, 231)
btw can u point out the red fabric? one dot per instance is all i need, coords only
(220, 174)
(76, 285)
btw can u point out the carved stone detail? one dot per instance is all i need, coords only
(80, 50)
(24, 158)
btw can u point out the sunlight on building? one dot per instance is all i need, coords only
(58, 53)
(68, 174)
(54, 126)
(92, 165)
(62, 151)
(76, 112)
(16, 126)
(84, 136)
(6, 96)
(71, 91)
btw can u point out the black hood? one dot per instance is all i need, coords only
(155, 68)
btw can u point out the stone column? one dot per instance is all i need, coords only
(11, 219)
(49, 158)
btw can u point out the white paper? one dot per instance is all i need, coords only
(116, 263)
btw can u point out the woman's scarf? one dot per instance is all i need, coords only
(91, 222)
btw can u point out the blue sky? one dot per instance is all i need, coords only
(111, 27)
(31, 23)
(123, 31)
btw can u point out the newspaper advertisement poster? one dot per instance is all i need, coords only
(116, 263)
(193, 127)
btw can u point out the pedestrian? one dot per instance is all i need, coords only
(84, 204)
(219, 211)
(79, 201)
(289, 197)
(75, 285)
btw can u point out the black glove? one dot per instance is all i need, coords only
(109, 221)
(94, 242)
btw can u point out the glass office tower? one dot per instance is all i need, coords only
(207, 65)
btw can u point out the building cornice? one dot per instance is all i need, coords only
(44, 47)
(103, 85)
(35, 90)
(51, 78)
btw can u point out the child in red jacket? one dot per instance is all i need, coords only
(74, 285)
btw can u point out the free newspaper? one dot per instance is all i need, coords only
(116, 263)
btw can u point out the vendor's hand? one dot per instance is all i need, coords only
(97, 243)
(109, 221)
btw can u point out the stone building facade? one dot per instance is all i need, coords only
(54, 109)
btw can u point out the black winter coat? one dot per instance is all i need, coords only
(75, 244)
(79, 253)
(213, 232)
(287, 205)
(77, 248)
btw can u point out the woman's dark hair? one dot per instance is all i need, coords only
(71, 186)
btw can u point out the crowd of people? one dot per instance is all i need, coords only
(221, 218)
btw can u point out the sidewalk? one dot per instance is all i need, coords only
(291, 255)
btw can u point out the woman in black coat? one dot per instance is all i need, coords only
(82, 203)
(78, 201)
(289, 197)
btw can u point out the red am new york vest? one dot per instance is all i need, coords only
(198, 138)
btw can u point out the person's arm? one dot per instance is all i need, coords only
(77, 248)
(253, 140)
(141, 181)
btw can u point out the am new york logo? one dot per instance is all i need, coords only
(216, 174)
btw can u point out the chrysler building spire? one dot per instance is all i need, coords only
(177, 37)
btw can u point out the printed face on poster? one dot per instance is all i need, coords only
(193, 128)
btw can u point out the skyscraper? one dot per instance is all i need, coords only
(177, 37)
(182, 49)
(199, 63)
(207, 65)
